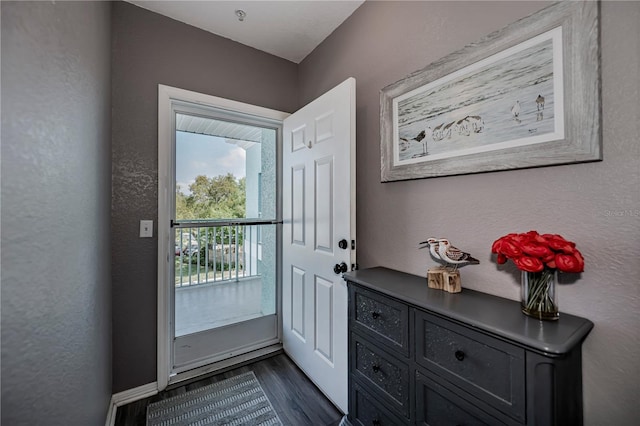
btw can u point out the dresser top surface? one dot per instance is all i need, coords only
(496, 315)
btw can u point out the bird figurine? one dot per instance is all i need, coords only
(454, 256)
(433, 245)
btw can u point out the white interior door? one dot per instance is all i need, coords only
(318, 213)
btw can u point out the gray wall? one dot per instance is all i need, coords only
(149, 49)
(56, 186)
(381, 43)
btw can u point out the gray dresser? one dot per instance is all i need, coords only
(427, 357)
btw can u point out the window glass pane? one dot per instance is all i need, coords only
(223, 274)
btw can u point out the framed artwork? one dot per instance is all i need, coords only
(525, 96)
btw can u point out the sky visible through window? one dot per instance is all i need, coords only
(206, 155)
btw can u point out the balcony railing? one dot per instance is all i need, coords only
(216, 251)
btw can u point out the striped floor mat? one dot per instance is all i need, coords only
(237, 401)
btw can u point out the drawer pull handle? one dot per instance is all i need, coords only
(375, 315)
(375, 368)
(459, 355)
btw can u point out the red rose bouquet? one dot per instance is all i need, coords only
(539, 257)
(533, 252)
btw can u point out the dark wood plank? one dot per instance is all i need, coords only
(295, 398)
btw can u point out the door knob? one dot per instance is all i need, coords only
(343, 244)
(340, 268)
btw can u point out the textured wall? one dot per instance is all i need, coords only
(149, 49)
(56, 186)
(597, 205)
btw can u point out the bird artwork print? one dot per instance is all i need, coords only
(515, 110)
(422, 138)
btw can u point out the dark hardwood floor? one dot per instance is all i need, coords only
(295, 398)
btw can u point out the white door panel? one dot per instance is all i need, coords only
(318, 212)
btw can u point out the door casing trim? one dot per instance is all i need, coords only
(167, 94)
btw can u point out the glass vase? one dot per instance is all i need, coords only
(538, 294)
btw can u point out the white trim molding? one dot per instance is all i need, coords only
(166, 95)
(125, 397)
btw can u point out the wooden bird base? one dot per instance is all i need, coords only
(444, 279)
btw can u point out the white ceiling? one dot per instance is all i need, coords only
(288, 29)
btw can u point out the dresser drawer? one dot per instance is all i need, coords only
(383, 318)
(366, 411)
(383, 374)
(437, 405)
(487, 368)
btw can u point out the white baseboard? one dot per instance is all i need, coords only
(128, 396)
